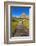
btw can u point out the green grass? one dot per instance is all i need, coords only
(26, 23)
(14, 24)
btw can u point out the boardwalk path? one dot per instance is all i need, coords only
(20, 31)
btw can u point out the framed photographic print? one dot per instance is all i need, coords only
(19, 26)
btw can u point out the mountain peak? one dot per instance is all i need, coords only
(23, 15)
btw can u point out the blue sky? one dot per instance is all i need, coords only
(17, 11)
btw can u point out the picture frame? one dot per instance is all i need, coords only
(10, 9)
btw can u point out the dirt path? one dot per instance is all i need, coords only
(20, 31)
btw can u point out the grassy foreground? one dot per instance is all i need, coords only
(26, 23)
(15, 23)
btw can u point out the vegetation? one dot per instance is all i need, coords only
(26, 23)
(16, 21)
(14, 24)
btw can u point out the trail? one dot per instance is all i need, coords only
(20, 31)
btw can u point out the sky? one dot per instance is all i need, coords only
(17, 11)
